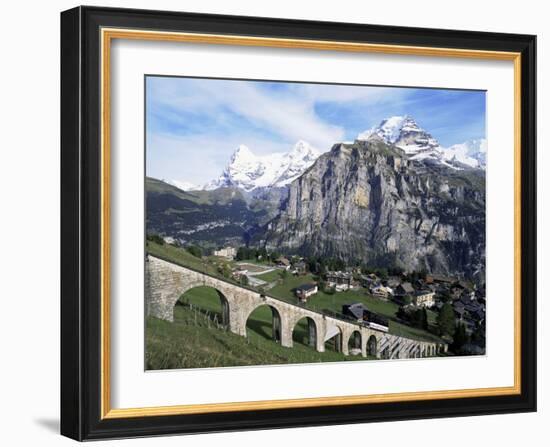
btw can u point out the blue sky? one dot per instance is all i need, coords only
(193, 125)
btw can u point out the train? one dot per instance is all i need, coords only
(360, 313)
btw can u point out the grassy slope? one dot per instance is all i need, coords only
(270, 276)
(179, 256)
(193, 340)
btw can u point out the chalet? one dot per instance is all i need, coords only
(441, 279)
(424, 298)
(393, 282)
(458, 307)
(299, 268)
(460, 287)
(227, 253)
(305, 291)
(381, 291)
(478, 315)
(466, 298)
(476, 311)
(404, 289)
(283, 262)
(339, 280)
(369, 280)
(456, 292)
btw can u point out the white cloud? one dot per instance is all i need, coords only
(290, 117)
(276, 118)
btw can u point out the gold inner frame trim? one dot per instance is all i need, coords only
(107, 35)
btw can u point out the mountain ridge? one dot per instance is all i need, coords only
(405, 133)
(248, 171)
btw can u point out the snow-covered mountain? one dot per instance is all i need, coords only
(406, 134)
(248, 171)
(183, 185)
(472, 153)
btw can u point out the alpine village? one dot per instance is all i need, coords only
(386, 232)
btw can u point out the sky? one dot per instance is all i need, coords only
(193, 125)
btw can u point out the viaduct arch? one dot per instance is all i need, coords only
(165, 282)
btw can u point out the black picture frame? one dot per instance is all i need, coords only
(81, 223)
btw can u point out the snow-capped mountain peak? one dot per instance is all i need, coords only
(405, 133)
(302, 149)
(418, 144)
(471, 153)
(242, 154)
(249, 171)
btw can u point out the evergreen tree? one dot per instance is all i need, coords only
(155, 238)
(241, 254)
(444, 296)
(460, 338)
(244, 280)
(446, 320)
(224, 270)
(478, 337)
(195, 251)
(424, 319)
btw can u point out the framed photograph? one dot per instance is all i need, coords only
(276, 223)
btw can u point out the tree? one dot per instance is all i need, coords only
(244, 280)
(424, 319)
(262, 253)
(446, 320)
(382, 273)
(460, 338)
(195, 251)
(312, 265)
(241, 254)
(224, 270)
(402, 314)
(444, 296)
(155, 238)
(478, 336)
(416, 317)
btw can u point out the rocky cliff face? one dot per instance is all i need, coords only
(369, 202)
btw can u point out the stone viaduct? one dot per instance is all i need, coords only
(165, 282)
